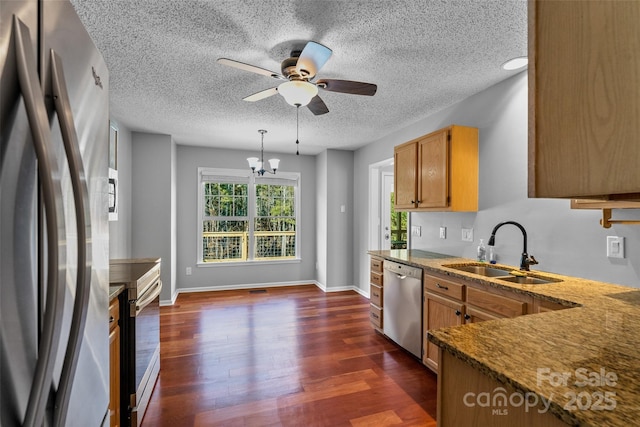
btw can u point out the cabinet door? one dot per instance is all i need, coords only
(405, 175)
(439, 312)
(583, 99)
(433, 167)
(114, 375)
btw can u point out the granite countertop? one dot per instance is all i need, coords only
(594, 345)
(134, 272)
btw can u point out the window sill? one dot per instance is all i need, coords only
(246, 263)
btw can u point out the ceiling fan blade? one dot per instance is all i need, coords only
(312, 58)
(250, 68)
(347, 86)
(261, 95)
(317, 106)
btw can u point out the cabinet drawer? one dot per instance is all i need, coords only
(114, 313)
(376, 279)
(376, 265)
(493, 303)
(375, 314)
(375, 295)
(444, 287)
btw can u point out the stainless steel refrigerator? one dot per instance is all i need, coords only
(54, 234)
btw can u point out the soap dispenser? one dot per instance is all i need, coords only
(482, 251)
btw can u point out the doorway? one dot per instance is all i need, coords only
(388, 228)
(394, 224)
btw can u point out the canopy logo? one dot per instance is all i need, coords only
(572, 389)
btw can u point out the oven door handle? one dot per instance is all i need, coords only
(147, 297)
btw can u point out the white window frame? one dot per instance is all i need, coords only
(294, 177)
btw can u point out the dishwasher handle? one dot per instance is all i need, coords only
(401, 276)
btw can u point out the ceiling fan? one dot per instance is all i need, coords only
(298, 72)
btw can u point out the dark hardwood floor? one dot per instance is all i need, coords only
(287, 356)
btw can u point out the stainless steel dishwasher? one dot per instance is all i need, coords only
(402, 312)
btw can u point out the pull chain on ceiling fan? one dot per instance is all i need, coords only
(299, 72)
(297, 129)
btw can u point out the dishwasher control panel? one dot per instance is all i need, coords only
(404, 270)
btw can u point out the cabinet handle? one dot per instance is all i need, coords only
(375, 295)
(111, 319)
(439, 286)
(467, 317)
(375, 316)
(458, 312)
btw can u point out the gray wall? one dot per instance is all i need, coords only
(153, 232)
(321, 218)
(244, 274)
(334, 238)
(564, 241)
(120, 230)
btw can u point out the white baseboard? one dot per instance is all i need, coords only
(259, 286)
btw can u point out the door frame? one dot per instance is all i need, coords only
(376, 188)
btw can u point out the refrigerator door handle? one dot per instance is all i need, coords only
(83, 222)
(52, 199)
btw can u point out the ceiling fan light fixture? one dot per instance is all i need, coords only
(515, 63)
(297, 92)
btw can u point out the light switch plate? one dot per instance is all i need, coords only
(416, 230)
(443, 232)
(467, 234)
(615, 247)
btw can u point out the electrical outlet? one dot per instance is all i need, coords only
(416, 230)
(467, 234)
(615, 247)
(443, 232)
(188, 271)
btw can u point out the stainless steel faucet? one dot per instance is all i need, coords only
(526, 260)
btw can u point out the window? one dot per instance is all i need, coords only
(243, 217)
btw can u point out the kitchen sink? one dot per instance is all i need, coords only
(528, 280)
(502, 274)
(481, 270)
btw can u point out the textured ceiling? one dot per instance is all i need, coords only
(423, 55)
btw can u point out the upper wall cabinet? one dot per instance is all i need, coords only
(438, 171)
(584, 99)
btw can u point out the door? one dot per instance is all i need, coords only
(84, 80)
(433, 179)
(387, 208)
(405, 173)
(18, 225)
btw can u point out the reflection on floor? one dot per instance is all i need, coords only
(290, 356)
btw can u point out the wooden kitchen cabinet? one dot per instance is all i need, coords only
(405, 175)
(438, 171)
(376, 290)
(114, 363)
(496, 306)
(457, 378)
(443, 307)
(452, 301)
(583, 99)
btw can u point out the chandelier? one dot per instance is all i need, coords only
(257, 164)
